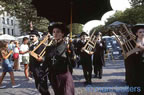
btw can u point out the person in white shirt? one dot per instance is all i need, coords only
(24, 51)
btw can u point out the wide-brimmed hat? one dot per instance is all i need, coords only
(34, 32)
(136, 27)
(62, 27)
(83, 33)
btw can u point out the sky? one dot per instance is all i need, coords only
(120, 5)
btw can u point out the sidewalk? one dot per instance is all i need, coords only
(113, 77)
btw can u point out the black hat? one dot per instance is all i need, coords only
(136, 27)
(44, 33)
(62, 27)
(34, 32)
(83, 33)
(98, 33)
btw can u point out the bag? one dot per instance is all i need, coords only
(15, 56)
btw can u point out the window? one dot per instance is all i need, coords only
(11, 22)
(8, 21)
(3, 20)
(12, 32)
(8, 31)
(4, 32)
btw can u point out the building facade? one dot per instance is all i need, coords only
(9, 25)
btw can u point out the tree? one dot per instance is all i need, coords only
(135, 3)
(76, 28)
(116, 17)
(26, 13)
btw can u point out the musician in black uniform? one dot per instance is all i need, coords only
(98, 58)
(85, 59)
(57, 60)
(135, 63)
(35, 64)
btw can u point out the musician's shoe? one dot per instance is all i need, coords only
(100, 77)
(90, 82)
(95, 76)
(86, 83)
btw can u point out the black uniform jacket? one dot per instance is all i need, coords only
(57, 58)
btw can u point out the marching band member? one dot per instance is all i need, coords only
(98, 58)
(85, 59)
(57, 60)
(136, 62)
(35, 64)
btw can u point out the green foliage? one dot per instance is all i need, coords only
(97, 29)
(135, 3)
(130, 16)
(76, 28)
(25, 12)
(116, 17)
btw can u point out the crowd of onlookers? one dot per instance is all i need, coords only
(12, 55)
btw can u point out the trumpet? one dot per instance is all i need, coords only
(46, 42)
(91, 43)
(126, 39)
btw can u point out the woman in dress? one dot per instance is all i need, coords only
(135, 63)
(58, 60)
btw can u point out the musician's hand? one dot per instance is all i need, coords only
(90, 53)
(82, 49)
(138, 45)
(39, 58)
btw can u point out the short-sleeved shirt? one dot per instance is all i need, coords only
(23, 48)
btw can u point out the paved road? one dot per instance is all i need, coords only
(113, 79)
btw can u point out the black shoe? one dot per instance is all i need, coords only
(86, 82)
(90, 82)
(100, 77)
(95, 76)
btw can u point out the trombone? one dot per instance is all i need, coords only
(46, 42)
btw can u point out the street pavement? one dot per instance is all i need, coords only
(112, 82)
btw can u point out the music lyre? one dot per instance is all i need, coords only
(126, 39)
(44, 42)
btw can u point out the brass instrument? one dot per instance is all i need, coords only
(126, 39)
(44, 42)
(91, 43)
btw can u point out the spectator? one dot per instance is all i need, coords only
(16, 56)
(11, 46)
(24, 49)
(6, 65)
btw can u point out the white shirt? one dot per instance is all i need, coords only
(16, 50)
(24, 48)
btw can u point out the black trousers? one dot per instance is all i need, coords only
(98, 70)
(87, 70)
(41, 84)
